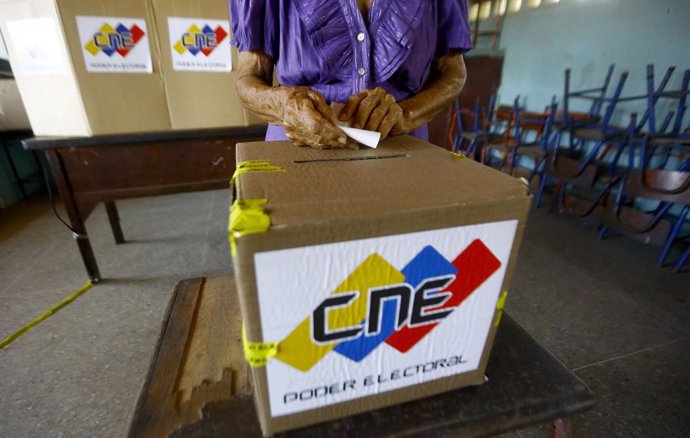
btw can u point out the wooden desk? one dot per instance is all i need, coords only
(198, 383)
(88, 170)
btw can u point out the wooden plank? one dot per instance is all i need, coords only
(214, 367)
(156, 411)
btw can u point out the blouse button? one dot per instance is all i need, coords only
(360, 36)
(361, 71)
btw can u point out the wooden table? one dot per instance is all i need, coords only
(88, 170)
(198, 383)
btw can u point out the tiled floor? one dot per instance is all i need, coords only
(602, 307)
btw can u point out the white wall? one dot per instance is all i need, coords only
(588, 36)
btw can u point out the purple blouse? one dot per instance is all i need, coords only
(328, 45)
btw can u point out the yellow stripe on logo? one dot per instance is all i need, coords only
(92, 48)
(299, 350)
(179, 48)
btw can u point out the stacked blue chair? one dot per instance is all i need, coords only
(663, 173)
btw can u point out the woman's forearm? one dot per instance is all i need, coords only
(444, 86)
(254, 88)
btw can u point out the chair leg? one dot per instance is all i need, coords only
(672, 236)
(457, 143)
(485, 156)
(683, 259)
(556, 196)
(602, 232)
(542, 187)
(513, 160)
(561, 197)
(535, 170)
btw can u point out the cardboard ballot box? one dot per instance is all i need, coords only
(368, 278)
(85, 67)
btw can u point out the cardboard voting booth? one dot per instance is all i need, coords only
(88, 68)
(85, 67)
(368, 278)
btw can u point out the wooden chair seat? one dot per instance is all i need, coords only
(580, 206)
(567, 170)
(469, 135)
(637, 224)
(595, 134)
(521, 172)
(530, 150)
(665, 141)
(660, 185)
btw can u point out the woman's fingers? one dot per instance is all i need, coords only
(351, 105)
(366, 106)
(377, 116)
(323, 108)
(391, 119)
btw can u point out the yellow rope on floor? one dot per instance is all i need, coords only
(5, 342)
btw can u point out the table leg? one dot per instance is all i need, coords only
(75, 219)
(114, 219)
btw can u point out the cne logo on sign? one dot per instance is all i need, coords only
(111, 40)
(377, 304)
(200, 40)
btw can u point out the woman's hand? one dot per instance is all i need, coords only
(374, 110)
(309, 121)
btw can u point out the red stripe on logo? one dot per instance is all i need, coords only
(137, 33)
(475, 265)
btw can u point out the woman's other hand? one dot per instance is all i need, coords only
(374, 110)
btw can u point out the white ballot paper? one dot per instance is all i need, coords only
(362, 136)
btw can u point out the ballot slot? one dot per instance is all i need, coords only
(327, 160)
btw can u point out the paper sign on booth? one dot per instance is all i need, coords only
(115, 44)
(36, 46)
(394, 311)
(200, 44)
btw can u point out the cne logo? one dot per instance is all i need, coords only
(109, 40)
(377, 304)
(204, 40)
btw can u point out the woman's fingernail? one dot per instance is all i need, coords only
(342, 140)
